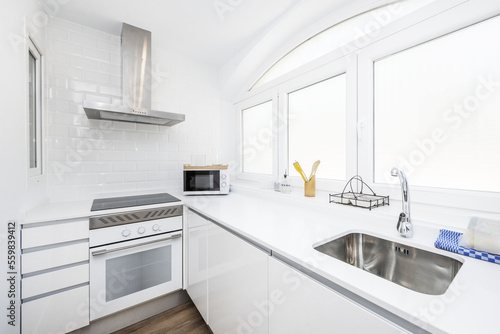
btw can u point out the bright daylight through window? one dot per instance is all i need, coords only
(257, 137)
(34, 111)
(317, 127)
(437, 111)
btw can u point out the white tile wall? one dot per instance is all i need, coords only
(88, 157)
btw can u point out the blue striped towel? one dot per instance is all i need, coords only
(448, 240)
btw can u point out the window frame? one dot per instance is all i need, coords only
(246, 104)
(34, 173)
(445, 23)
(326, 71)
(426, 24)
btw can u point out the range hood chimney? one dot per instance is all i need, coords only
(136, 85)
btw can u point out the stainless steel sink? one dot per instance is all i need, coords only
(411, 267)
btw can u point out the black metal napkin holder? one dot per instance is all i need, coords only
(359, 199)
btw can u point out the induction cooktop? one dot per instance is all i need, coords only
(130, 201)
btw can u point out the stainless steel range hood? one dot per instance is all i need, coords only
(136, 85)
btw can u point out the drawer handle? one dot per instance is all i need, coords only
(105, 251)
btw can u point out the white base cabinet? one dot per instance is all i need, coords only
(237, 284)
(55, 276)
(196, 280)
(226, 277)
(299, 304)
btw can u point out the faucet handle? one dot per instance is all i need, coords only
(405, 227)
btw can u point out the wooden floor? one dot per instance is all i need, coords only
(179, 320)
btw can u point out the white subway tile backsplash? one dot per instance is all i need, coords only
(123, 126)
(97, 54)
(97, 77)
(168, 147)
(136, 156)
(157, 156)
(55, 130)
(65, 71)
(147, 165)
(66, 47)
(66, 25)
(82, 39)
(146, 146)
(88, 157)
(123, 167)
(121, 146)
(135, 136)
(83, 86)
(111, 68)
(157, 176)
(177, 138)
(97, 98)
(105, 178)
(96, 167)
(149, 128)
(135, 176)
(156, 137)
(114, 91)
(57, 33)
(183, 147)
(78, 61)
(111, 156)
(180, 156)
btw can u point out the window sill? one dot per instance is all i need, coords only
(421, 214)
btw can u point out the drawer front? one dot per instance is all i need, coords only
(56, 233)
(54, 257)
(55, 280)
(59, 313)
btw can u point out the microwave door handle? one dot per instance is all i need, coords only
(106, 251)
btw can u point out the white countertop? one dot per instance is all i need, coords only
(291, 224)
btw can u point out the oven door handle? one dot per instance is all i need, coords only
(106, 251)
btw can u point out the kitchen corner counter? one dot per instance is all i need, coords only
(291, 224)
(53, 211)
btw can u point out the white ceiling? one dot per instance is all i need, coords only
(212, 31)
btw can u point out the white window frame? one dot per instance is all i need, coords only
(436, 20)
(332, 69)
(434, 27)
(264, 97)
(34, 173)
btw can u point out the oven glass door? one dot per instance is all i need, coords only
(128, 273)
(202, 180)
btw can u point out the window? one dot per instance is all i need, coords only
(317, 127)
(359, 28)
(257, 137)
(436, 111)
(423, 95)
(34, 112)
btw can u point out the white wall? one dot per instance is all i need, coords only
(90, 157)
(14, 192)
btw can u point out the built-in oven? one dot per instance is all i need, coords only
(135, 256)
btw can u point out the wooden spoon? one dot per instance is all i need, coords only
(314, 168)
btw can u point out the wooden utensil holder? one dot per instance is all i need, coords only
(310, 187)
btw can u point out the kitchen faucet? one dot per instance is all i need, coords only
(404, 226)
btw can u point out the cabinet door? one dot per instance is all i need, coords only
(196, 262)
(237, 284)
(58, 313)
(54, 257)
(51, 281)
(298, 304)
(57, 233)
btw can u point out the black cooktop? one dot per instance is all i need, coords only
(129, 201)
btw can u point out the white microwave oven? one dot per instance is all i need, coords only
(205, 181)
